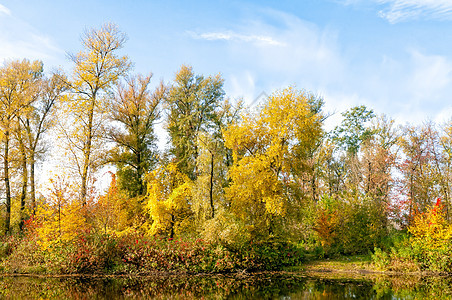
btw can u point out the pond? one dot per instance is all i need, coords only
(281, 285)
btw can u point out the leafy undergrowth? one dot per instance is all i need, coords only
(427, 248)
(138, 254)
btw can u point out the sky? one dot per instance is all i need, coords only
(394, 56)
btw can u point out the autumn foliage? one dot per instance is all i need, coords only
(235, 187)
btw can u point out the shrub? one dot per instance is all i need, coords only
(431, 239)
(427, 248)
(350, 226)
(380, 259)
(134, 253)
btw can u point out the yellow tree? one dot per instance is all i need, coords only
(110, 210)
(18, 83)
(61, 218)
(264, 146)
(40, 119)
(169, 200)
(211, 172)
(97, 68)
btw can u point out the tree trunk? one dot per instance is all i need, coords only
(211, 185)
(173, 220)
(32, 184)
(7, 185)
(313, 184)
(140, 173)
(23, 193)
(87, 153)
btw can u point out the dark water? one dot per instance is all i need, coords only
(256, 286)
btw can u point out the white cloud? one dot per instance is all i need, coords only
(395, 11)
(233, 36)
(4, 10)
(403, 10)
(19, 40)
(411, 87)
(286, 48)
(431, 76)
(444, 116)
(411, 90)
(272, 50)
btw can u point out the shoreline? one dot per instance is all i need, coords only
(355, 266)
(324, 268)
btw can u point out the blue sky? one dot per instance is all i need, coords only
(394, 56)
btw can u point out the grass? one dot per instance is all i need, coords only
(356, 264)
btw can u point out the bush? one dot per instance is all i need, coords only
(350, 226)
(381, 259)
(24, 257)
(135, 253)
(431, 238)
(8, 244)
(269, 255)
(427, 248)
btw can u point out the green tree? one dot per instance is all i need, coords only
(134, 111)
(350, 135)
(192, 102)
(353, 130)
(212, 164)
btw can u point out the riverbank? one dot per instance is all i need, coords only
(342, 264)
(356, 267)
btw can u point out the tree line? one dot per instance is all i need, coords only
(230, 173)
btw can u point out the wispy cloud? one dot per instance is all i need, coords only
(395, 11)
(4, 10)
(403, 10)
(430, 75)
(233, 36)
(20, 40)
(277, 43)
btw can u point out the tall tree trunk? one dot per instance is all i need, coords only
(140, 173)
(7, 184)
(313, 184)
(87, 153)
(32, 184)
(211, 185)
(411, 197)
(23, 193)
(173, 221)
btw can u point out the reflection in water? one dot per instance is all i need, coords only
(256, 286)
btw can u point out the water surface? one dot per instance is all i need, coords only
(242, 286)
